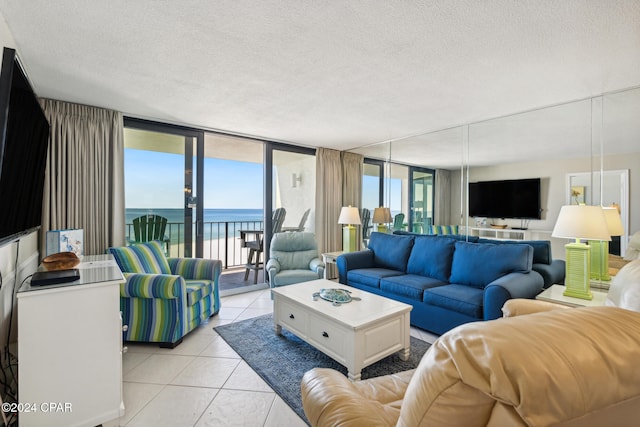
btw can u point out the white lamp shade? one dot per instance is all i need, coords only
(614, 222)
(581, 222)
(349, 215)
(381, 215)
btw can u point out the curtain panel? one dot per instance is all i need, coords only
(84, 181)
(442, 203)
(328, 199)
(352, 166)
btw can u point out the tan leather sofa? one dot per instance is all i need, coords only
(561, 367)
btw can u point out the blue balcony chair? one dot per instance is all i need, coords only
(165, 298)
(294, 259)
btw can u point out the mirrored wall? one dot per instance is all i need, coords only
(555, 143)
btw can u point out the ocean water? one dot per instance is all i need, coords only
(210, 215)
(214, 220)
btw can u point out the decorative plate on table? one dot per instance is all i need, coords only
(335, 296)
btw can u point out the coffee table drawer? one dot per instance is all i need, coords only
(328, 337)
(293, 317)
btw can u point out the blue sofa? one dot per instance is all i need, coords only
(448, 281)
(551, 270)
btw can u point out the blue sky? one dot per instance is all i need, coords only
(156, 180)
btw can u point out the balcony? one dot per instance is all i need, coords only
(221, 242)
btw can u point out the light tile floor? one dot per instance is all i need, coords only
(203, 382)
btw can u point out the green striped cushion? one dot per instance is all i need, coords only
(127, 259)
(197, 289)
(142, 258)
(443, 229)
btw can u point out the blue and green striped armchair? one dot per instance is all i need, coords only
(165, 298)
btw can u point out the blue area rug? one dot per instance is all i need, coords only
(282, 360)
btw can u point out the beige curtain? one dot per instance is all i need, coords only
(443, 198)
(328, 199)
(352, 165)
(84, 182)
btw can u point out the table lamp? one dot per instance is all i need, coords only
(382, 217)
(349, 217)
(579, 222)
(600, 248)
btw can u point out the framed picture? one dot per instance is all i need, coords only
(577, 194)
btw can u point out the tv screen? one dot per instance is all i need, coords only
(517, 198)
(24, 141)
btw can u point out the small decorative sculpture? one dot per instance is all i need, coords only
(335, 296)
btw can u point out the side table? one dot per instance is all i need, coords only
(554, 293)
(330, 258)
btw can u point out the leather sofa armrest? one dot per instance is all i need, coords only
(330, 399)
(519, 307)
(317, 265)
(273, 268)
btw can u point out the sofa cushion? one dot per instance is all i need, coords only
(541, 248)
(478, 264)
(197, 289)
(624, 291)
(390, 251)
(409, 285)
(370, 276)
(431, 257)
(459, 298)
(142, 258)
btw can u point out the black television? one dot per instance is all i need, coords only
(514, 198)
(24, 141)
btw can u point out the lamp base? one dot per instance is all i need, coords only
(383, 228)
(599, 260)
(349, 238)
(578, 263)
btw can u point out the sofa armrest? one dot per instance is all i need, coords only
(352, 261)
(273, 267)
(551, 273)
(162, 286)
(330, 399)
(509, 286)
(196, 268)
(519, 307)
(317, 265)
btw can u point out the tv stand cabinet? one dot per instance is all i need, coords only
(508, 233)
(70, 348)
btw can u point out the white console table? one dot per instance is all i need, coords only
(70, 348)
(508, 233)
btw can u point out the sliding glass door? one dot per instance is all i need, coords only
(421, 191)
(291, 189)
(160, 184)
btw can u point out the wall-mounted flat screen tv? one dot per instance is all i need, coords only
(515, 198)
(24, 141)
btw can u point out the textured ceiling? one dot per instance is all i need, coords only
(334, 73)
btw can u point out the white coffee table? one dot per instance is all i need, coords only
(355, 334)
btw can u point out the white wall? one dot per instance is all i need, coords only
(553, 174)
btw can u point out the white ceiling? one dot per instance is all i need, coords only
(335, 73)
